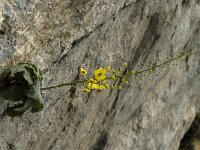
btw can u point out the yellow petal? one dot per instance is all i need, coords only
(83, 71)
(89, 85)
(124, 64)
(102, 77)
(96, 72)
(95, 86)
(107, 68)
(92, 81)
(103, 71)
(101, 87)
(86, 90)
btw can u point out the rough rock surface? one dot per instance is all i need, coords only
(61, 36)
(191, 140)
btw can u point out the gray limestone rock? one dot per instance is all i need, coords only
(60, 36)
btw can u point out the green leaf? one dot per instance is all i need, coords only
(37, 106)
(22, 83)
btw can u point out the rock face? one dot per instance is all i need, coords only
(191, 140)
(60, 36)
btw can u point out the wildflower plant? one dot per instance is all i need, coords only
(104, 78)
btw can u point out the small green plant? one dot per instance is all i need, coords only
(22, 83)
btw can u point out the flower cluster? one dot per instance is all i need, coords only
(103, 77)
(98, 82)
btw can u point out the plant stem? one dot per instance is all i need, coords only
(64, 84)
(154, 67)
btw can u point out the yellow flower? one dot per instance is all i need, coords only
(101, 87)
(99, 74)
(83, 71)
(93, 86)
(124, 64)
(92, 81)
(86, 90)
(107, 68)
(113, 78)
(119, 87)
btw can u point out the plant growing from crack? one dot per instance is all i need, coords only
(22, 83)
